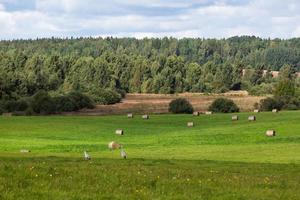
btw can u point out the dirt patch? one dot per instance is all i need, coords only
(158, 103)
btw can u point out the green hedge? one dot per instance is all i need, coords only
(42, 103)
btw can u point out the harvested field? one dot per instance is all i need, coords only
(158, 103)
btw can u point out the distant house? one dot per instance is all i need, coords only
(274, 74)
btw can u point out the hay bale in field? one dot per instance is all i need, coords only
(145, 117)
(196, 113)
(251, 118)
(235, 118)
(86, 156)
(190, 124)
(25, 151)
(274, 111)
(129, 115)
(208, 112)
(114, 145)
(270, 133)
(7, 114)
(119, 132)
(256, 111)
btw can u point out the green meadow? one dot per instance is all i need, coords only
(215, 159)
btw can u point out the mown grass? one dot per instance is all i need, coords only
(216, 159)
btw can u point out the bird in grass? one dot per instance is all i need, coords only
(123, 154)
(86, 156)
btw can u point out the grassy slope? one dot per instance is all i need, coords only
(245, 164)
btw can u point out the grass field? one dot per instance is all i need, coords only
(216, 159)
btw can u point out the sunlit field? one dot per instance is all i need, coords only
(216, 159)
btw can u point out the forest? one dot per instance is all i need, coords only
(149, 65)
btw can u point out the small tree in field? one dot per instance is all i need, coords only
(180, 105)
(223, 105)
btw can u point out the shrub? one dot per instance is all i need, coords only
(22, 105)
(121, 92)
(180, 105)
(224, 106)
(29, 111)
(81, 100)
(18, 113)
(65, 104)
(12, 105)
(106, 96)
(9, 106)
(42, 103)
(262, 89)
(269, 104)
(285, 103)
(290, 107)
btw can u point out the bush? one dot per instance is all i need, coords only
(106, 96)
(65, 104)
(29, 111)
(42, 103)
(262, 89)
(269, 104)
(290, 107)
(9, 106)
(285, 103)
(81, 100)
(180, 106)
(224, 106)
(121, 92)
(12, 105)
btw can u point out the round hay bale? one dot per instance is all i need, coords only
(114, 145)
(270, 133)
(145, 117)
(235, 118)
(196, 113)
(25, 151)
(130, 115)
(190, 124)
(251, 118)
(119, 132)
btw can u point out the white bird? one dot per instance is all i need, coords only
(123, 154)
(86, 156)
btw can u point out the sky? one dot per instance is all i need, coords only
(24, 19)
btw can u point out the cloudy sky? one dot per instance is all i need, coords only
(149, 18)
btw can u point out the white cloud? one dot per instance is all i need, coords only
(2, 8)
(191, 18)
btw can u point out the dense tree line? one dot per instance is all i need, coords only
(166, 65)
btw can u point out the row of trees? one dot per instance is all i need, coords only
(163, 65)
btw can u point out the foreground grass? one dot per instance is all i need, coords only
(67, 178)
(216, 159)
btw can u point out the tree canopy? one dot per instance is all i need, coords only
(166, 65)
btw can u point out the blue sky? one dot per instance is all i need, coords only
(149, 18)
